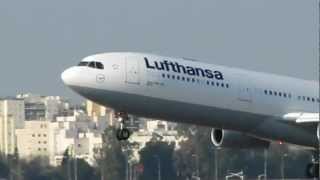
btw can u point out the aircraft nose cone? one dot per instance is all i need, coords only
(68, 76)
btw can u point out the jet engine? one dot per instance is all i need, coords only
(234, 139)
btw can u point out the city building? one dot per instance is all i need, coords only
(55, 106)
(35, 109)
(12, 116)
(33, 140)
(153, 130)
(77, 133)
(98, 112)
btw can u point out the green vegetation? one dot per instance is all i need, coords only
(194, 154)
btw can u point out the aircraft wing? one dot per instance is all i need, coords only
(302, 117)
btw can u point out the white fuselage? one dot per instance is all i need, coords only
(181, 90)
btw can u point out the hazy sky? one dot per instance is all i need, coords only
(39, 39)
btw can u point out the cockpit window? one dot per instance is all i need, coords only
(83, 63)
(99, 65)
(92, 64)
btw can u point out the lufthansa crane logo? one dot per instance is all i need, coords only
(100, 78)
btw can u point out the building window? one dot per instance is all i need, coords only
(265, 92)
(227, 85)
(33, 135)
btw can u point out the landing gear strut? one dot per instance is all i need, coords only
(123, 133)
(312, 169)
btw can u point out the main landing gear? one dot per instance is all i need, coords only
(123, 133)
(312, 168)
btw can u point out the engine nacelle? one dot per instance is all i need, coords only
(234, 139)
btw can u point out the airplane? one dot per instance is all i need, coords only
(246, 109)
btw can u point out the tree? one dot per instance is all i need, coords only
(154, 153)
(113, 161)
(84, 170)
(196, 148)
(4, 168)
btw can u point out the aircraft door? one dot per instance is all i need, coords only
(244, 90)
(132, 70)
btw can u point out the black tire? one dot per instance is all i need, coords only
(312, 170)
(125, 134)
(119, 137)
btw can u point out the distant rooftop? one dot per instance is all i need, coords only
(9, 98)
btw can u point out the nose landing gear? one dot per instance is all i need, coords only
(123, 133)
